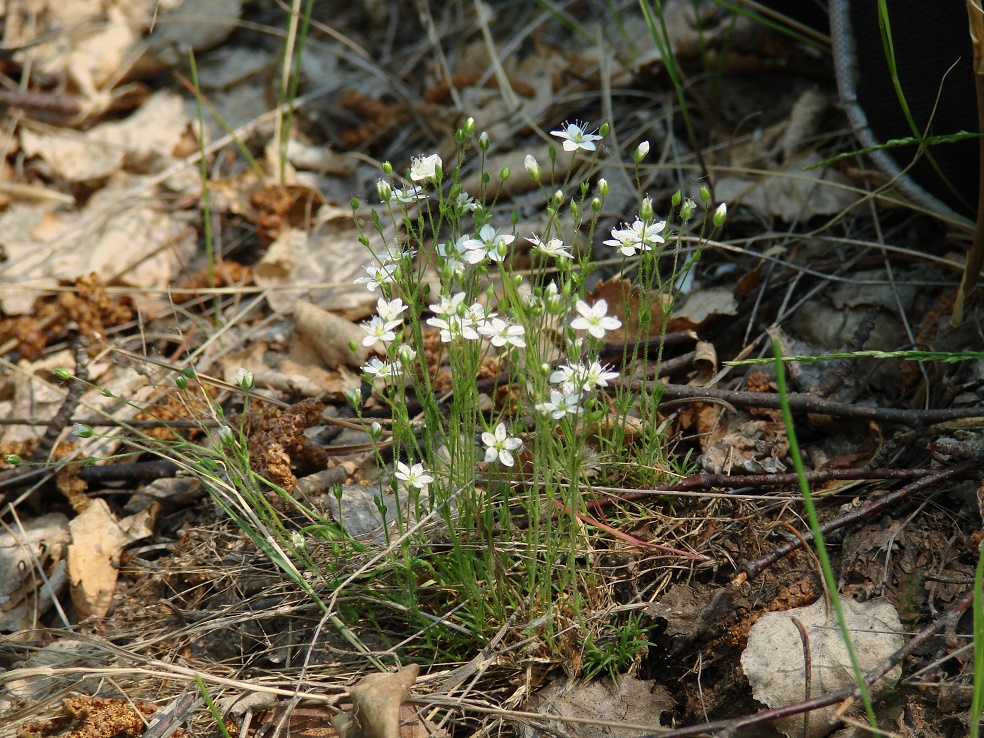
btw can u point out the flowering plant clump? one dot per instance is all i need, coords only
(461, 304)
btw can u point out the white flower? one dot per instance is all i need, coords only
(597, 375)
(425, 168)
(575, 137)
(379, 331)
(378, 276)
(449, 305)
(563, 374)
(297, 539)
(561, 404)
(594, 319)
(382, 369)
(391, 309)
(648, 235)
(554, 247)
(637, 236)
(478, 314)
(500, 445)
(244, 379)
(500, 333)
(454, 326)
(623, 240)
(408, 196)
(413, 476)
(488, 244)
(464, 203)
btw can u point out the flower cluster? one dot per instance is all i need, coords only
(455, 320)
(574, 381)
(637, 236)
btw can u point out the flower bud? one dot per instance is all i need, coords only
(189, 371)
(13, 459)
(646, 210)
(483, 141)
(375, 431)
(353, 396)
(406, 353)
(81, 430)
(460, 136)
(504, 174)
(705, 194)
(558, 198)
(353, 346)
(181, 381)
(720, 215)
(384, 190)
(641, 150)
(596, 205)
(63, 374)
(687, 210)
(387, 168)
(603, 187)
(676, 199)
(226, 436)
(244, 379)
(469, 127)
(575, 211)
(532, 168)
(605, 128)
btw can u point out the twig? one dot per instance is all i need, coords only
(756, 567)
(63, 417)
(811, 403)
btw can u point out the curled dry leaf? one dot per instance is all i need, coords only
(377, 700)
(94, 553)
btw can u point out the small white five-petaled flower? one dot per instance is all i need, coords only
(413, 476)
(489, 244)
(594, 319)
(378, 276)
(575, 137)
(554, 247)
(500, 445)
(500, 333)
(561, 404)
(379, 331)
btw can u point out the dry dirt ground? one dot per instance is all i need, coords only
(122, 582)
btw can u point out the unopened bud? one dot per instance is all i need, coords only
(387, 168)
(384, 190)
(81, 430)
(596, 205)
(532, 168)
(226, 436)
(676, 199)
(720, 215)
(63, 374)
(641, 150)
(705, 194)
(646, 210)
(603, 187)
(483, 141)
(605, 128)
(504, 174)
(469, 127)
(558, 198)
